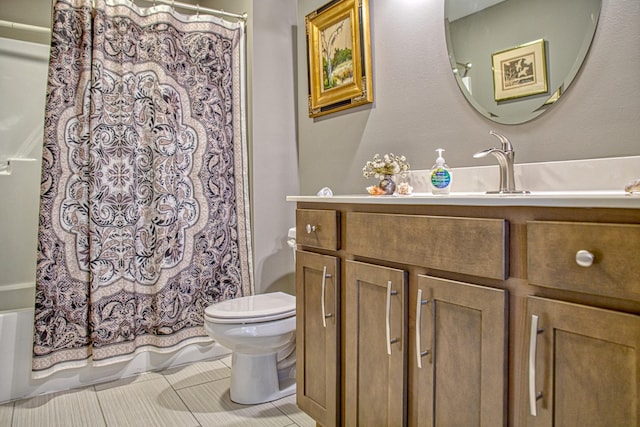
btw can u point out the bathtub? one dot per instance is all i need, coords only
(16, 331)
(19, 191)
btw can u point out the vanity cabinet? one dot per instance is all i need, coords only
(375, 338)
(450, 314)
(458, 358)
(463, 378)
(318, 318)
(583, 361)
(583, 365)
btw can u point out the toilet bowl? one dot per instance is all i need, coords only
(260, 332)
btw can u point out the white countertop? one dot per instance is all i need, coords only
(573, 199)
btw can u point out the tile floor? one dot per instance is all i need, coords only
(189, 396)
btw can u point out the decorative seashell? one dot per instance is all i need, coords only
(374, 190)
(633, 187)
(404, 188)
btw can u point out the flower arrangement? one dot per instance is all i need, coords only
(389, 164)
(383, 168)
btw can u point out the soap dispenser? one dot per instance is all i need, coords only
(441, 175)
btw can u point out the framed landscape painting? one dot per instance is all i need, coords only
(338, 56)
(520, 71)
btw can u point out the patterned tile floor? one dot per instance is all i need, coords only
(196, 395)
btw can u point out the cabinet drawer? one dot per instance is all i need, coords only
(553, 247)
(318, 228)
(474, 246)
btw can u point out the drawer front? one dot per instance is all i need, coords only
(474, 246)
(318, 228)
(552, 252)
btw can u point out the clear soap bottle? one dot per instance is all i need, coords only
(441, 176)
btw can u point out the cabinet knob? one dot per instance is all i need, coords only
(584, 258)
(311, 228)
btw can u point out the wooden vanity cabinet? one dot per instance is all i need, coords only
(452, 291)
(458, 354)
(583, 361)
(318, 313)
(583, 365)
(375, 345)
(317, 336)
(458, 330)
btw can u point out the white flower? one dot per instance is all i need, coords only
(389, 164)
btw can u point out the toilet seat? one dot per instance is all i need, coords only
(252, 309)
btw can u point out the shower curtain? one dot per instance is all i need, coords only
(144, 217)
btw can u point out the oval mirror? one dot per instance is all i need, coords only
(513, 59)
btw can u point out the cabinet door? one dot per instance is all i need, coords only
(375, 346)
(317, 337)
(458, 354)
(584, 365)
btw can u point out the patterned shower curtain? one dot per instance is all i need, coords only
(144, 217)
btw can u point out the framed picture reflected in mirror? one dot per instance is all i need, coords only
(520, 71)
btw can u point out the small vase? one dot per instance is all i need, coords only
(388, 185)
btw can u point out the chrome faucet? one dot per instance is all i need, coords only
(505, 156)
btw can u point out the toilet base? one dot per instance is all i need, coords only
(256, 379)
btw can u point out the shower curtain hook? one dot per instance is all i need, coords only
(173, 5)
(197, 11)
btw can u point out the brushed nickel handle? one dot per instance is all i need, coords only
(388, 318)
(584, 258)
(533, 342)
(311, 228)
(419, 303)
(325, 276)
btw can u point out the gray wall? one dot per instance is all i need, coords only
(275, 167)
(273, 171)
(418, 106)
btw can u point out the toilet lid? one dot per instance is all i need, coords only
(253, 309)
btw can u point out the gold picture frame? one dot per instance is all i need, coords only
(520, 71)
(339, 56)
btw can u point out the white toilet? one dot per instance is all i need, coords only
(260, 331)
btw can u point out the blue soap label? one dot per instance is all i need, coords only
(440, 178)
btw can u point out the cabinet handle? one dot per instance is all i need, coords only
(584, 258)
(388, 317)
(533, 342)
(419, 303)
(325, 276)
(311, 228)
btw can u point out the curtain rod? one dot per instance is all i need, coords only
(198, 8)
(24, 27)
(37, 29)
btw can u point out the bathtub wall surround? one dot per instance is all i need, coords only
(605, 174)
(19, 187)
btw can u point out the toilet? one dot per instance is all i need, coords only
(260, 331)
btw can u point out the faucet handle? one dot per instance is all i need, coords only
(506, 145)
